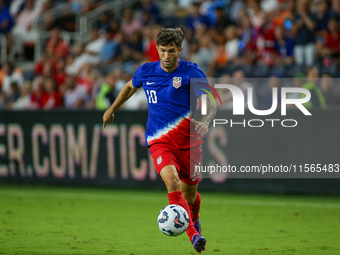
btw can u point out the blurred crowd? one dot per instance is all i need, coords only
(229, 39)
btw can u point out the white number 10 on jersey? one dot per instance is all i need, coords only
(152, 96)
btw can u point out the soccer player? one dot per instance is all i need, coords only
(172, 134)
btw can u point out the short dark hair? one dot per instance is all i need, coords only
(170, 36)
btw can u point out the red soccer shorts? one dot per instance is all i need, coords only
(164, 154)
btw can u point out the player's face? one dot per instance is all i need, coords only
(168, 55)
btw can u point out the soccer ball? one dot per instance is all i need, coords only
(173, 220)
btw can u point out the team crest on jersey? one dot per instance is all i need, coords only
(159, 160)
(177, 82)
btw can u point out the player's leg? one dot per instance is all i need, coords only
(189, 181)
(193, 199)
(172, 181)
(190, 178)
(167, 163)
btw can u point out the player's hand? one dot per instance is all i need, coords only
(107, 117)
(200, 127)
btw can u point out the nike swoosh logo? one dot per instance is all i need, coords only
(149, 83)
(176, 221)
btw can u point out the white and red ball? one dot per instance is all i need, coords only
(173, 220)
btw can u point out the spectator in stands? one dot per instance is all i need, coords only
(60, 74)
(147, 19)
(284, 47)
(6, 20)
(80, 58)
(200, 31)
(195, 18)
(56, 46)
(266, 42)
(185, 44)
(150, 48)
(332, 45)
(322, 17)
(236, 7)
(248, 47)
(110, 52)
(11, 75)
(193, 48)
(23, 31)
(149, 7)
(13, 96)
(205, 54)
(37, 93)
(103, 22)
(51, 99)
(208, 8)
(116, 29)
(39, 66)
(24, 101)
(77, 60)
(327, 88)
(222, 19)
(85, 77)
(130, 23)
(257, 16)
(74, 96)
(94, 46)
(47, 71)
(134, 48)
(317, 98)
(304, 28)
(219, 62)
(335, 10)
(106, 95)
(232, 44)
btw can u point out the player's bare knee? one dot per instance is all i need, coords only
(173, 184)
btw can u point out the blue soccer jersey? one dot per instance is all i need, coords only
(168, 95)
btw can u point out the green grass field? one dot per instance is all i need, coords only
(96, 221)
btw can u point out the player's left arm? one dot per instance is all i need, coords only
(127, 91)
(202, 127)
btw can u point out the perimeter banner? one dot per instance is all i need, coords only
(71, 148)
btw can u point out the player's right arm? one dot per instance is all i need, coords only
(127, 91)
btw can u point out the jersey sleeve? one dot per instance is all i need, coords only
(199, 81)
(137, 78)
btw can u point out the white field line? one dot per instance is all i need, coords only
(111, 197)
